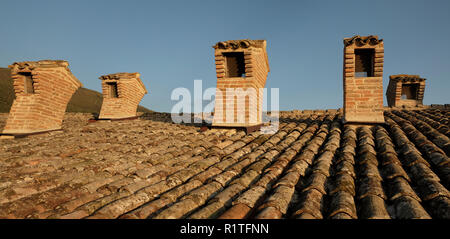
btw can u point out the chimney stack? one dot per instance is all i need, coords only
(363, 80)
(43, 89)
(405, 90)
(122, 93)
(242, 67)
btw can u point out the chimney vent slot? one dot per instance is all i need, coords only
(409, 91)
(113, 93)
(364, 61)
(29, 83)
(235, 64)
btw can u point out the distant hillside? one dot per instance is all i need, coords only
(6, 90)
(84, 100)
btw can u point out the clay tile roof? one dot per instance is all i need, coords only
(406, 78)
(312, 167)
(362, 40)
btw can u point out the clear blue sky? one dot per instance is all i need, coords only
(169, 42)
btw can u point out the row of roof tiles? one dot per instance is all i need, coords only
(313, 167)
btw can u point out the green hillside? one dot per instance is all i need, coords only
(6, 90)
(84, 100)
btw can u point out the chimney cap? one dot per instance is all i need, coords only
(236, 44)
(362, 40)
(406, 78)
(42, 63)
(120, 75)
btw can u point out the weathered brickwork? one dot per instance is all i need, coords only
(240, 64)
(122, 93)
(363, 79)
(405, 90)
(43, 90)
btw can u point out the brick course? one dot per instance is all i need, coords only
(42, 109)
(363, 96)
(248, 112)
(130, 91)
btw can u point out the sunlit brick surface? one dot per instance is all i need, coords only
(363, 95)
(396, 88)
(129, 89)
(41, 109)
(256, 65)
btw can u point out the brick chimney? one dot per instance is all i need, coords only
(122, 93)
(242, 67)
(43, 89)
(405, 90)
(363, 79)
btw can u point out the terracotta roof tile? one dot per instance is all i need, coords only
(312, 167)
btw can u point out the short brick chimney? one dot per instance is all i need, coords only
(43, 89)
(122, 93)
(363, 79)
(405, 90)
(242, 67)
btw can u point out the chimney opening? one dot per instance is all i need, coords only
(364, 61)
(29, 83)
(113, 93)
(409, 91)
(235, 64)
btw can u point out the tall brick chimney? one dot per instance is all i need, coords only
(405, 90)
(122, 93)
(43, 89)
(363, 79)
(242, 67)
